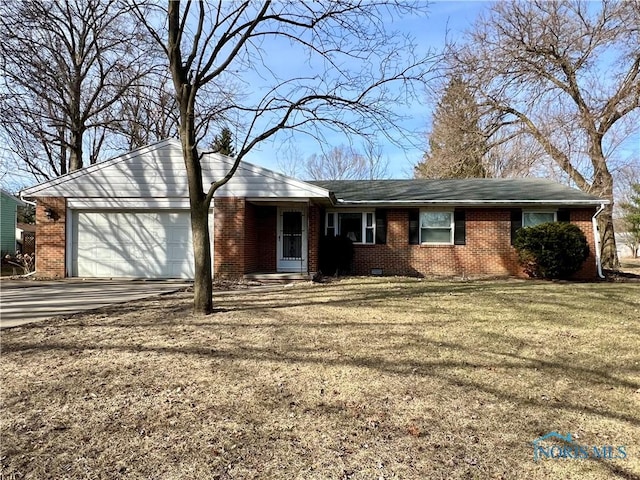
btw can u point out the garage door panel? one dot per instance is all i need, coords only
(133, 244)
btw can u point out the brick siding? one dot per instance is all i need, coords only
(245, 241)
(488, 250)
(315, 228)
(51, 237)
(229, 237)
(260, 238)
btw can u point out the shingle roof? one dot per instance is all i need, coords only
(465, 191)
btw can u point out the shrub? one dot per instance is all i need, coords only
(551, 250)
(25, 261)
(335, 255)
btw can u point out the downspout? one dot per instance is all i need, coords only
(33, 204)
(596, 238)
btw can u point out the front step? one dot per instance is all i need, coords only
(277, 278)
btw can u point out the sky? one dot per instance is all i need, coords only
(447, 19)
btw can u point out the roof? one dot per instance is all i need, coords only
(478, 191)
(154, 176)
(7, 196)
(26, 227)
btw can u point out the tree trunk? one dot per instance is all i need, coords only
(203, 281)
(75, 156)
(202, 286)
(603, 186)
(609, 251)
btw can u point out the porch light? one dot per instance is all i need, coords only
(48, 213)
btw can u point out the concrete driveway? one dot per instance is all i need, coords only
(23, 302)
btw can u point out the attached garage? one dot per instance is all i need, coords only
(129, 217)
(154, 244)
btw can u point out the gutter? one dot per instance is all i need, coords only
(596, 238)
(407, 203)
(33, 204)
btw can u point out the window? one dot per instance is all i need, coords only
(533, 218)
(436, 227)
(360, 227)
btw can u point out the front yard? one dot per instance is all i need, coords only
(357, 379)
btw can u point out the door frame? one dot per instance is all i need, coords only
(293, 266)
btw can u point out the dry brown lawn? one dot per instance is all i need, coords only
(357, 379)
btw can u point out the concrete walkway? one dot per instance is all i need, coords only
(27, 301)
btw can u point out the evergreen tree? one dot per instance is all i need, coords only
(631, 220)
(223, 143)
(457, 144)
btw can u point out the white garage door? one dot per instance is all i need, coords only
(132, 244)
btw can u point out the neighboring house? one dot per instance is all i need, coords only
(128, 217)
(8, 218)
(26, 237)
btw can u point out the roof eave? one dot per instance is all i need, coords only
(470, 203)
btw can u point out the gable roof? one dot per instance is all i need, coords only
(472, 191)
(157, 174)
(10, 199)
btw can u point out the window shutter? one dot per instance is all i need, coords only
(516, 223)
(564, 215)
(381, 227)
(414, 226)
(460, 227)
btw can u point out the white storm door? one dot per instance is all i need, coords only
(292, 239)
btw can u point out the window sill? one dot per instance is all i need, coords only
(438, 245)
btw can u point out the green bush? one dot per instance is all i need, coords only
(551, 250)
(336, 255)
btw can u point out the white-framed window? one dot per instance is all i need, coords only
(360, 227)
(436, 227)
(531, 218)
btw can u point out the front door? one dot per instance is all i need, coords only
(292, 239)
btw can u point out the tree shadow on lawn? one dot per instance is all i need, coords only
(464, 373)
(435, 369)
(494, 296)
(560, 295)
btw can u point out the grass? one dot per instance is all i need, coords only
(631, 265)
(358, 379)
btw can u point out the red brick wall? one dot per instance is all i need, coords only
(260, 238)
(266, 230)
(582, 218)
(251, 240)
(245, 241)
(488, 250)
(316, 225)
(51, 237)
(229, 237)
(245, 237)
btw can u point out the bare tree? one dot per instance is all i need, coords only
(66, 65)
(212, 47)
(346, 163)
(145, 113)
(568, 72)
(290, 160)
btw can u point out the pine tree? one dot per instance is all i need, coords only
(457, 144)
(223, 143)
(631, 220)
